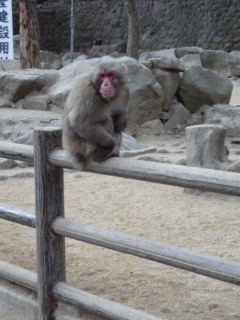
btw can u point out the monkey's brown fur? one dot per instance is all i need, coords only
(93, 125)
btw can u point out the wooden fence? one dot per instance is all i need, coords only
(42, 292)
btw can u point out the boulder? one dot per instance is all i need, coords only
(190, 60)
(100, 51)
(181, 52)
(166, 71)
(152, 127)
(79, 67)
(217, 61)
(234, 63)
(178, 115)
(199, 86)
(50, 60)
(58, 92)
(169, 53)
(226, 115)
(224, 63)
(164, 63)
(16, 85)
(35, 101)
(66, 58)
(9, 65)
(146, 94)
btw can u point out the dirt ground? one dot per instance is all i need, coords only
(206, 223)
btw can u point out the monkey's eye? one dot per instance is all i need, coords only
(102, 76)
(111, 75)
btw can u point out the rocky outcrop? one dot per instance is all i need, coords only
(200, 86)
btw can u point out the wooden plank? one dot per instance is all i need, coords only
(97, 305)
(21, 300)
(18, 275)
(176, 175)
(216, 268)
(17, 215)
(16, 151)
(49, 205)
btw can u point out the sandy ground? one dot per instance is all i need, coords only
(206, 223)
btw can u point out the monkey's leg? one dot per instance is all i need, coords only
(116, 149)
(102, 153)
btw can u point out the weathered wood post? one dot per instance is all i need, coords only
(49, 205)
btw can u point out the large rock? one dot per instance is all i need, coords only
(58, 92)
(166, 71)
(100, 51)
(50, 60)
(224, 63)
(190, 60)
(178, 115)
(200, 86)
(181, 52)
(152, 127)
(16, 85)
(234, 63)
(9, 65)
(217, 61)
(35, 101)
(169, 53)
(146, 94)
(225, 115)
(68, 57)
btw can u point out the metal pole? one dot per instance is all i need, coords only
(72, 30)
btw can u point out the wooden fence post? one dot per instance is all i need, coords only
(49, 205)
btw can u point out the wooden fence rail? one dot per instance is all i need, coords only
(176, 175)
(52, 228)
(212, 267)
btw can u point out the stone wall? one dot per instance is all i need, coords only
(210, 24)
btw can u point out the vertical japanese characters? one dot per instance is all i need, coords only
(6, 30)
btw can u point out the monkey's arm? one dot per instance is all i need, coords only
(95, 134)
(119, 120)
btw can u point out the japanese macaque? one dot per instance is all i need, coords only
(95, 115)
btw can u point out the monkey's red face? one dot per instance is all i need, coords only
(107, 84)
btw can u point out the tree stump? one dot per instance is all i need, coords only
(205, 146)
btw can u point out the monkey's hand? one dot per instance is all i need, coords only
(119, 121)
(96, 134)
